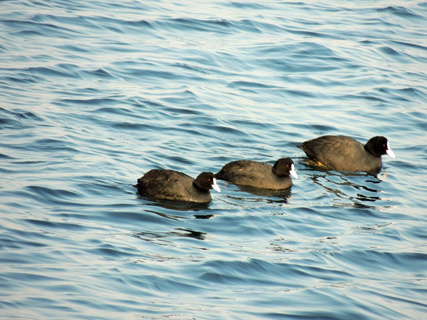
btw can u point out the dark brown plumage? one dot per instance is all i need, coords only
(259, 174)
(347, 154)
(174, 185)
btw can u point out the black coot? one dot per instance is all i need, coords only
(259, 174)
(174, 185)
(347, 154)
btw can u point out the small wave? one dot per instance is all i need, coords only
(43, 29)
(47, 224)
(218, 26)
(99, 73)
(19, 118)
(53, 196)
(89, 101)
(59, 71)
(403, 94)
(400, 11)
(389, 51)
(112, 251)
(410, 44)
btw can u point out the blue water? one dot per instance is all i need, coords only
(95, 93)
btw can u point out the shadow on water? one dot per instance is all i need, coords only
(361, 189)
(170, 209)
(247, 194)
(175, 205)
(173, 211)
(278, 196)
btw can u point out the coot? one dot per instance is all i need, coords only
(174, 185)
(259, 174)
(347, 154)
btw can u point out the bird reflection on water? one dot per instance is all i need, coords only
(354, 189)
(164, 236)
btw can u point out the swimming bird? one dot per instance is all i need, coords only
(259, 174)
(347, 154)
(173, 185)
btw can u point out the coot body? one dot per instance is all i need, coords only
(347, 154)
(174, 185)
(259, 174)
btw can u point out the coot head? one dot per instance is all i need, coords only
(378, 146)
(206, 181)
(284, 167)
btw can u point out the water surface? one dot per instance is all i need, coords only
(94, 94)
